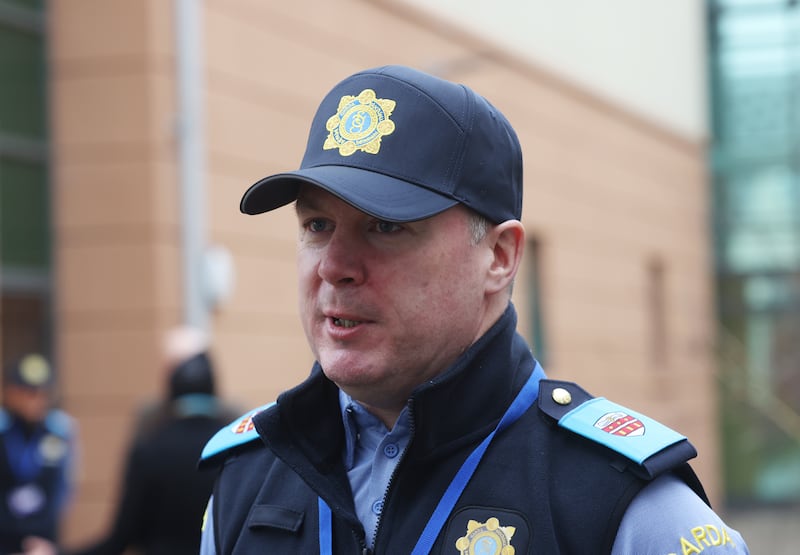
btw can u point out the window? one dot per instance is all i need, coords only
(24, 193)
(533, 273)
(657, 313)
(754, 62)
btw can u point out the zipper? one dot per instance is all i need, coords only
(411, 429)
(362, 543)
(358, 533)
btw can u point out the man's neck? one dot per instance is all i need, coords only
(387, 416)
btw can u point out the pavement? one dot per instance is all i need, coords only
(773, 530)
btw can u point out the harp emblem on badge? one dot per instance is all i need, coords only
(486, 538)
(359, 123)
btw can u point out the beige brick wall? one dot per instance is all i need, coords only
(116, 225)
(606, 193)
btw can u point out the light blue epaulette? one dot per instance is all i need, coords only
(239, 432)
(57, 422)
(60, 423)
(652, 446)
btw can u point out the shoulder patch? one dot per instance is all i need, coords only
(238, 432)
(627, 432)
(635, 436)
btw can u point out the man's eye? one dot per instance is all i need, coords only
(316, 225)
(387, 227)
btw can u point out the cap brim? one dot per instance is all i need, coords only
(376, 194)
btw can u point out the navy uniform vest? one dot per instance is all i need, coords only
(32, 487)
(543, 486)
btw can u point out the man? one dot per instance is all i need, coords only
(163, 496)
(426, 425)
(36, 451)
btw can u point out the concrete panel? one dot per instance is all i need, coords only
(96, 29)
(255, 367)
(121, 273)
(108, 110)
(265, 285)
(264, 133)
(116, 195)
(109, 362)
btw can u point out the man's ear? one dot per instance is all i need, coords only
(507, 241)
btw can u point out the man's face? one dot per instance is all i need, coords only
(387, 306)
(30, 404)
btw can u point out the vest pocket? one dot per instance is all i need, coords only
(272, 516)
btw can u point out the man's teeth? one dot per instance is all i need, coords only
(344, 323)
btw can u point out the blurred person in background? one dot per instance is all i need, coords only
(163, 494)
(180, 344)
(36, 454)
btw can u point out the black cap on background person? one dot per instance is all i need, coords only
(32, 371)
(27, 383)
(194, 376)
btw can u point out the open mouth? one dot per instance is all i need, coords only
(343, 323)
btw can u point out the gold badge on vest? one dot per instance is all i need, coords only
(486, 538)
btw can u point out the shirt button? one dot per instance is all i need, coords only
(377, 507)
(391, 450)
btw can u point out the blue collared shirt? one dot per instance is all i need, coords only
(371, 455)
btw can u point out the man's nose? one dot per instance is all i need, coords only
(342, 259)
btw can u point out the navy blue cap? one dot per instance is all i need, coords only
(32, 371)
(403, 145)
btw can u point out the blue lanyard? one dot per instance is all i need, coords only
(523, 401)
(325, 529)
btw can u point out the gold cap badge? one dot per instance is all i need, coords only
(487, 538)
(359, 123)
(35, 370)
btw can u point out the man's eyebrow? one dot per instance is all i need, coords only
(303, 202)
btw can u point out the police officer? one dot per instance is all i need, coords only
(36, 450)
(426, 425)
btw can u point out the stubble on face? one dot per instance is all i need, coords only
(384, 307)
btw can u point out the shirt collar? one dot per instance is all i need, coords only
(360, 424)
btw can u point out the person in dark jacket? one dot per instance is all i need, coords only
(36, 454)
(426, 425)
(163, 494)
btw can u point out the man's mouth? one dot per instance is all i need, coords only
(343, 323)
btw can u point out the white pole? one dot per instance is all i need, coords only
(191, 156)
